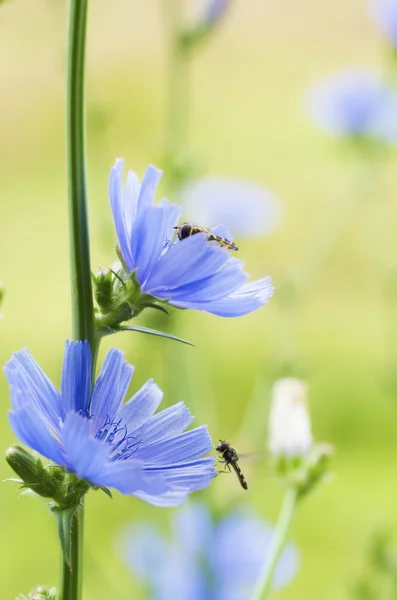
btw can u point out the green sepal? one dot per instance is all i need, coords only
(14, 480)
(64, 518)
(106, 491)
(119, 299)
(27, 492)
(153, 332)
(304, 471)
(157, 307)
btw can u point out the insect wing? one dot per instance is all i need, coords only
(254, 456)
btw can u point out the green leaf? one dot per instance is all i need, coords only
(64, 517)
(153, 332)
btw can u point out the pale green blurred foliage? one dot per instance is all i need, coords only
(248, 121)
(378, 580)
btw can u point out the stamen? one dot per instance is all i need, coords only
(115, 433)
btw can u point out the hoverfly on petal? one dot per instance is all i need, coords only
(187, 229)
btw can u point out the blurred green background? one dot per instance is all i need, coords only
(248, 85)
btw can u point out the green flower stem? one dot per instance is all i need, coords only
(264, 584)
(177, 124)
(82, 304)
(71, 579)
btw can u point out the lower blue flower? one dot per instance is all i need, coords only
(90, 432)
(205, 559)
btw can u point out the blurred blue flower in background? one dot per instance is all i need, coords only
(355, 103)
(205, 559)
(102, 440)
(215, 9)
(204, 14)
(243, 207)
(191, 273)
(384, 13)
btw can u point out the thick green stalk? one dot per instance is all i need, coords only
(82, 304)
(264, 584)
(71, 579)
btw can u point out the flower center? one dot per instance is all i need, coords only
(123, 445)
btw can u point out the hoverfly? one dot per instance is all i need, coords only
(230, 459)
(187, 229)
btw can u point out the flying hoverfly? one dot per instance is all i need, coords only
(187, 229)
(230, 459)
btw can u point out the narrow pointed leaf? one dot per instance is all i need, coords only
(107, 491)
(157, 307)
(64, 518)
(153, 332)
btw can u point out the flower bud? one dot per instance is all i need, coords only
(119, 298)
(29, 468)
(289, 423)
(44, 481)
(297, 459)
(41, 593)
(103, 282)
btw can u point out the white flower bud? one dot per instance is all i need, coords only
(289, 421)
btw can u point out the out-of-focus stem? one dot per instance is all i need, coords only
(284, 522)
(177, 120)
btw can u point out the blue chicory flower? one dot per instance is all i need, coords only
(355, 103)
(205, 559)
(90, 432)
(192, 273)
(243, 207)
(203, 15)
(384, 13)
(215, 10)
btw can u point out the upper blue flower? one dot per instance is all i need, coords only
(91, 433)
(355, 103)
(243, 207)
(205, 559)
(192, 273)
(385, 13)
